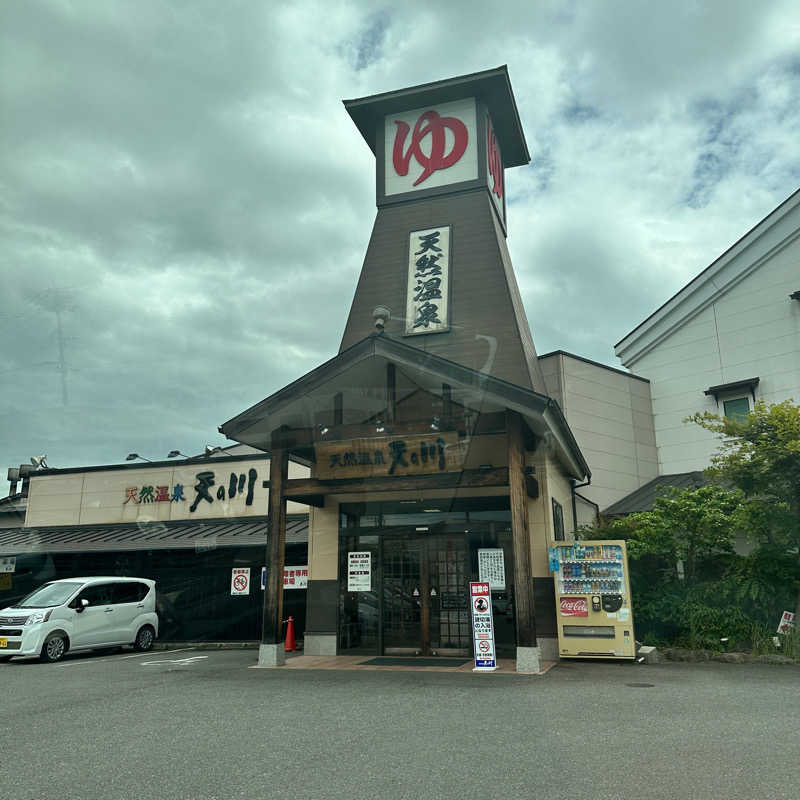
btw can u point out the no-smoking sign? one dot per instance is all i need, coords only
(240, 580)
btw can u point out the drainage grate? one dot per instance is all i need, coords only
(640, 685)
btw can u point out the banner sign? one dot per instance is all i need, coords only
(480, 598)
(492, 569)
(428, 281)
(240, 580)
(359, 572)
(384, 456)
(787, 622)
(574, 607)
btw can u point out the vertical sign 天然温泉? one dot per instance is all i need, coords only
(427, 301)
(480, 598)
(359, 572)
(428, 148)
(494, 171)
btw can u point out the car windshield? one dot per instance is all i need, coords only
(49, 595)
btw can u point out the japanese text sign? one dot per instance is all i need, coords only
(427, 298)
(387, 456)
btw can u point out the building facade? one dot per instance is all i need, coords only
(434, 447)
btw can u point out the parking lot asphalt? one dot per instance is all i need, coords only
(200, 725)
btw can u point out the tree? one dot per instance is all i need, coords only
(685, 527)
(760, 455)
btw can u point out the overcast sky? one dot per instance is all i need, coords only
(183, 194)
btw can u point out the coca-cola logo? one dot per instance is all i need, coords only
(432, 125)
(574, 607)
(495, 162)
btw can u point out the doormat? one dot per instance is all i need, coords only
(414, 661)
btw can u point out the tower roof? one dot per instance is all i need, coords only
(492, 86)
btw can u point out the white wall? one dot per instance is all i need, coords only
(752, 330)
(609, 413)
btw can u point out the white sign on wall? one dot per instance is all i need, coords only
(492, 568)
(240, 580)
(359, 572)
(293, 577)
(427, 304)
(430, 147)
(8, 564)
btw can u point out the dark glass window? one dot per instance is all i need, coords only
(558, 521)
(736, 409)
(129, 592)
(99, 595)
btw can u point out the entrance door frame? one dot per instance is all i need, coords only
(425, 577)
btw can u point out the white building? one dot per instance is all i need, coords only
(729, 337)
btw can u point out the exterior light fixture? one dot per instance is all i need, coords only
(134, 456)
(379, 427)
(380, 316)
(323, 429)
(435, 424)
(211, 449)
(175, 454)
(39, 462)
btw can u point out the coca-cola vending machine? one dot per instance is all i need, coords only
(593, 599)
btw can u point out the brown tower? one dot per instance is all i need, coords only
(437, 257)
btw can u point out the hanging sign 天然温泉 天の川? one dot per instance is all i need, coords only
(427, 299)
(391, 456)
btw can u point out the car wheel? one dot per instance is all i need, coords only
(54, 647)
(144, 639)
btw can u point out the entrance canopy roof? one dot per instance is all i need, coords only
(351, 390)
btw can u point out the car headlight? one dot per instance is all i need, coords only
(39, 616)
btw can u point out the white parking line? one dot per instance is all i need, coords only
(185, 661)
(71, 663)
(166, 652)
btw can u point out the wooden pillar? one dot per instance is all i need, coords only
(447, 407)
(272, 626)
(338, 409)
(523, 576)
(391, 392)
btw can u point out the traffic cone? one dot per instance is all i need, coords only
(289, 646)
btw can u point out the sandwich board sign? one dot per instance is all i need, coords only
(480, 600)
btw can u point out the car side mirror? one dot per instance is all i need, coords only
(82, 603)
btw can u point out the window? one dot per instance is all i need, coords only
(129, 592)
(98, 595)
(558, 521)
(736, 409)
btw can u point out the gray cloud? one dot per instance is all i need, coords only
(182, 192)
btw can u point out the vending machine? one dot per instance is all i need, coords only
(593, 600)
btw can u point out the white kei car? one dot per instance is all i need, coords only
(80, 614)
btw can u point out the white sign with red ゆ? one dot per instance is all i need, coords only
(430, 147)
(480, 600)
(573, 607)
(240, 580)
(787, 622)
